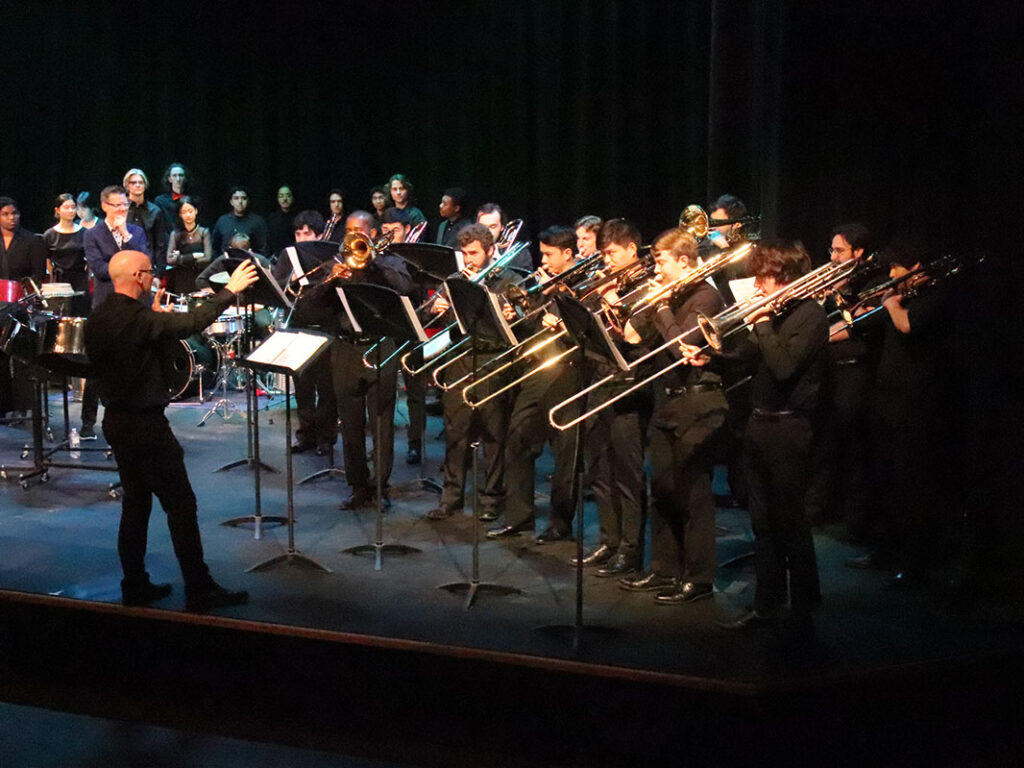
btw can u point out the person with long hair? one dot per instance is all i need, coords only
(189, 250)
(403, 196)
(65, 252)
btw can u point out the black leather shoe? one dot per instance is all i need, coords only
(440, 512)
(647, 582)
(685, 593)
(302, 447)
(872, 561)
(550, 534)
(620, 565)
(412, 456)
(213, 596)
(748, 620)
(488, 515)
(361, 497)
(507, 531)
(599, 556)
(143, 594)
(88, 432)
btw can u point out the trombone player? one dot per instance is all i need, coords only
(689, 411)
(462, 424)
(788, 345)
(528, 425)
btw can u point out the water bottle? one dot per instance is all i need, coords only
(74, 443)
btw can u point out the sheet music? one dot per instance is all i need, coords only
(438, 344)
(620, 361)
(743, 288)
(499, 314)
(288, 349)
(458, 319)
(348, 310)
(414, 321)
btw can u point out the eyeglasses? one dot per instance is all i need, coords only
(118, 206)
(834, 251)
(149, 272)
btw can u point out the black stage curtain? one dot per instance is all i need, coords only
(811, 112)
(896, 114)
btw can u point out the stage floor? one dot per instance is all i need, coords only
(59, 538)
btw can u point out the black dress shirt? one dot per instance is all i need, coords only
(129, 346)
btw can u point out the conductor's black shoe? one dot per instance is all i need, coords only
(507, 531)
(213, 595)
(302, 447)
(87, 432)
(748, 620)
(599, 556)
(551, 534)
(620, 565)
(647, 582)
(143, 593)
(412, 456)
(488, 515)
(361, 497)
(688, 592)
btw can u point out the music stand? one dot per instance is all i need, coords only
(479, 315)
(429, 266)
(288, 352)
(595, 344)
(377, 311)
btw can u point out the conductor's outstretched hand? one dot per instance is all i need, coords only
(243, 276)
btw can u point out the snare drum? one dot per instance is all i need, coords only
(11, 290)
(195, 359)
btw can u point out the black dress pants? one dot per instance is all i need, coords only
(681, 450)
(528, 430)
(776, 458)
(151, 462)
(358, 398)
(315, 403)
(463, 426)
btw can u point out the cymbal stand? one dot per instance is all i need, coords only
(225, 407)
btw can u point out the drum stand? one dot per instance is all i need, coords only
(223, 404)
(291, 555)
(41, 457)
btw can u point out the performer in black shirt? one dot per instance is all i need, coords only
(148, 216)
(529, 427)
(65, 245)
(464, 425)
(355, 385)
(279, 222)
(453, 217)
(689, 412)
(126, 343)
(334, 226)
(790, 346)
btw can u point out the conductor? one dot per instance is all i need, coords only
(126, 343)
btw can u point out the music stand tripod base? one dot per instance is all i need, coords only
(379, 550)
(292, 557)
(473, 588)
(247, 462)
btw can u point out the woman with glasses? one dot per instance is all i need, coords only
(189, 250)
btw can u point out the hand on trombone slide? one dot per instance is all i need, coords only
(550, 321)
(694, 355)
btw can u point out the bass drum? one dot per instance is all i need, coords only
(191, 361)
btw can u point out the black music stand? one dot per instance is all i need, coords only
(480, 316)
(591, 336)
(378, 312)
(429, 266)
(288, 352)
(268, 290)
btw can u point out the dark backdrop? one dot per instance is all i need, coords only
(899, 114)
(811, 112)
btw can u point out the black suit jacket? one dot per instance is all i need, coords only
(25, 257)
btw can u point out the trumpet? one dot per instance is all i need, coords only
(812, 284)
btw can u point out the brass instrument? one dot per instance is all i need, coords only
(653, 294)
(416, 232)
(812, 284)
(698, 223)
(359, 249)
(508, 236)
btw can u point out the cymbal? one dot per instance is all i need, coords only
(220, 278)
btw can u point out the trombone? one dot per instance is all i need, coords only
(480, 277)
(653, 294)
(810, 284)
(696, 221)
(356, 252)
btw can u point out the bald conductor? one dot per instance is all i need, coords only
(127, 344)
